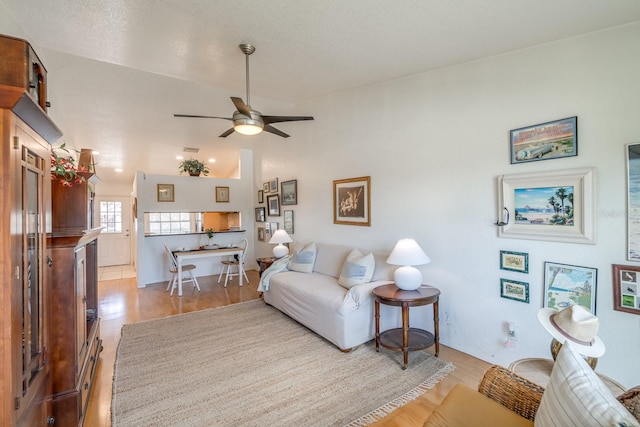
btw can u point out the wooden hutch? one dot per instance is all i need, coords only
(49, 325)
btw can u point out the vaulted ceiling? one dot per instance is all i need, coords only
(123, 67)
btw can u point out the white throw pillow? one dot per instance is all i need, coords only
(576, 396)
(303, 260)
(356, 269)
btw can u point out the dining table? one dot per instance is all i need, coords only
(191, 254)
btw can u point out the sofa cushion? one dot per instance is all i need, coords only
(465, 407)
(576, 396)
(303, 260)
(356, 269)
(330, 258)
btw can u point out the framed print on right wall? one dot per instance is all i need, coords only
(626, 281)
(566, 285)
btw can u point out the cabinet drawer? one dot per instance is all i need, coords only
(87, 379)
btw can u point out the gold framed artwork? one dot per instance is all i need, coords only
(165, 193)
(352, 201)
(222, 194)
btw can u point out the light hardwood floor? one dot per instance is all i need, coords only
(122, 302)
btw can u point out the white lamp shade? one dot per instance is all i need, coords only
(280, 237)
(407, 253)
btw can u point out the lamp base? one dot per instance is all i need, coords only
(280, 251)
(407, 278)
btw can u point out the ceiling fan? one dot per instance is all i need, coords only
(246, 120)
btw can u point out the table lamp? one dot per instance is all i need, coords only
(280, 237)
(407, 253)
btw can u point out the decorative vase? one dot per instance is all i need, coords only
(557, 345)
(194, 173)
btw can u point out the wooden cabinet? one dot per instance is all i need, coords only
(75, 332)
(24, 187)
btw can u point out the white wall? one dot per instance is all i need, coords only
(192, 194)
(434, 145)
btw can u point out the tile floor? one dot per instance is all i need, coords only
(115, 272)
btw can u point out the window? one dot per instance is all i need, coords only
(170, 223)
(111, 217)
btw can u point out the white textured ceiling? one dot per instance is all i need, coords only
(305, 49)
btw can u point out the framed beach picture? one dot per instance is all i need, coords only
(551, 140)
(633, 202)
(165, 193)
(289, 192)
(566, 285)
(553, 205)
(514, 261)
(512, 289)
(352, 201)
(626, 283)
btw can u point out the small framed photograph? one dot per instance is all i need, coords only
(288, 222)
(557, 206)
(261, 234)
(289, 192)
(273, 185)
(514, 261)
(267, 228)
(512, 289)
(222, 194)
(626, 280)
(165, 193)
(260, 196)
(265, 187)
(352, 201)
(260, 215)
(551, 140)
(566, 285)
(273, 203)
(274, 227)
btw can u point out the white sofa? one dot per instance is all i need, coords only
(343, 316)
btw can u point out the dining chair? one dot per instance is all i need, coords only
(232, 267)
(173, 269)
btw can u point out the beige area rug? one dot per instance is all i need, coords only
(250, 365)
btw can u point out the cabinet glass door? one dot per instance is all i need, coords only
(33, 275)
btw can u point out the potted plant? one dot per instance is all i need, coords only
(193, 167)
(210, 233)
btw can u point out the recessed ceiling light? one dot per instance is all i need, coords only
(179, 158)
(212, 160)
(118, 170)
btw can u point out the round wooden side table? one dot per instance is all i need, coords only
(264, 263)
(406, 338)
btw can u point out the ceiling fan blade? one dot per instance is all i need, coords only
(201, 117)
(241, 106)
(227, 132)
(278, 119)
(271, 129)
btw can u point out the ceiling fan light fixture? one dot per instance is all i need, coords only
(247, 128)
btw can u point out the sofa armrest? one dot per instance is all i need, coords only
(358, 295)
(512, 391)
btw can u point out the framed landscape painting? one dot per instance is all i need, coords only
(514, 261)
(633, 202)
(553, 205)
(566, 285)
(512, 289)
(352, 201)
(289, 192)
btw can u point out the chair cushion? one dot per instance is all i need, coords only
(356, 269)
(302, 261)
(465, 407)
(576, 396)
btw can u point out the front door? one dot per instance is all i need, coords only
(114, 243)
